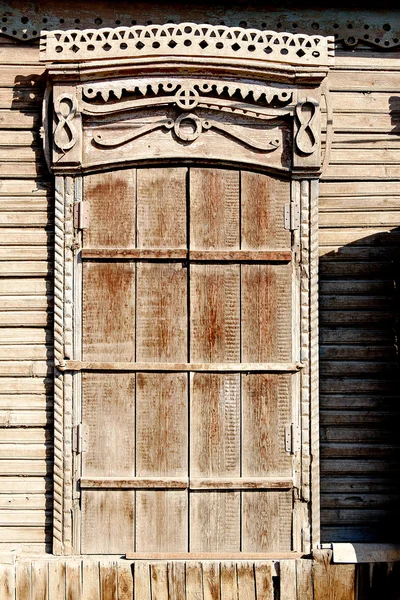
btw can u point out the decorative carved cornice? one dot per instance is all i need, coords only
(186, 40)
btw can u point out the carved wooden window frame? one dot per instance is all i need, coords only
(274, 74)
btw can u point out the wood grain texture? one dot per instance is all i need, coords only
(161, 521)
(214, 209)
(266, 410)
(263, 200)
(161, 208)
(108, 311)
(108, 518)
(161, 312)
(161, 424)
(266, 521)
(266, 312)
(112, 200)
(214, 311)
(108, 411)
(215, 521)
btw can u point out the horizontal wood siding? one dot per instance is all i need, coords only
(26, 406)
(359, 271)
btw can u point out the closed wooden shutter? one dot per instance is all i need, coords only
(187, 313)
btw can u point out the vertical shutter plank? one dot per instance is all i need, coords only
(161, 521)
(162, 427)
(161, 208)
(56, 580)
(108, 311)
(108, 410)
(215, 318)
(266, 411)
(161, 312)
(108, 521)
(215, 521)
(73, 588)
(112, 199)
(266, 521)
(266, 313)
(214, 209)
(263, 202)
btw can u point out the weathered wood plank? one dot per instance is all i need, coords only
(73, 579)
(264, 583)
(23, 580)
(228, 581)
(108, 580)
(90, 580)
(39, 580)
(57, 581)
(142, 590)
(112, 201)
(194, 583)
(246, 581)
(159, 581)
(125, 581)
(287, 580)
(7, 581)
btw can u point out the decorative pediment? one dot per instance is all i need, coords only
(187, 39)
(124, 95)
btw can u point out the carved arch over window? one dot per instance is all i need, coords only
(188, 94)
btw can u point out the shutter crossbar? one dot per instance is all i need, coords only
(198, 483)
(76, 365)
(192, 255)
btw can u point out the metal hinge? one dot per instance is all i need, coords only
(292, 216)
(80, 438)
(292, 438)
(81, 215)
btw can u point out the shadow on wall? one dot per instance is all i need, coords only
(360, 390)
(34, 212)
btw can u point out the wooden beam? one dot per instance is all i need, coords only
(76, 365)
(198, 483)
(182, 254)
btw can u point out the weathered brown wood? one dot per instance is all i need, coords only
(108, 580)
(112, 201)
(196, 255)
(108, 311)
(176, 580)
(159, 581)
(134, 483)
(90, 580)
(214, 210)
(73, 365)
(125, 581)
(57, 578)
(161, 521)
(264, 583)
(23, 580)
(332, 581)
(287, 583)
(142, 581)
(211, 581)
(39, 580)
(228, 581)
(7, 581)
(161, 208)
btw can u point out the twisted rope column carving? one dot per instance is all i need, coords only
(58, 492)
(305, 349)
(68, 353)
(314, 361)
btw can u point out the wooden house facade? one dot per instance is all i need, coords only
(199, 214)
